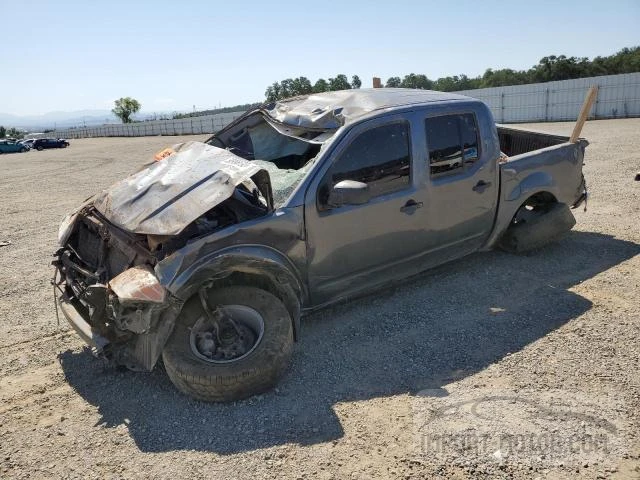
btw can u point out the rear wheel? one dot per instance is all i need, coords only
(536, 225)
(22, 150)
(234, 363)
(39, 148)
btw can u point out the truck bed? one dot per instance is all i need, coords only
(515, 141)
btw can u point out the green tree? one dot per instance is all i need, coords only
(416, 81)
(503, 77)
(356, 82)
(340, 82)
(3, 132)
(393, 82)
(302, 86)
(125, 107)
(273, 92)
(321, 86)
(289, 87)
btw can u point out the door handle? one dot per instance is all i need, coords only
(411, 206)
(480, 186)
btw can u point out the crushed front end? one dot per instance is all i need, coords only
(107, 290)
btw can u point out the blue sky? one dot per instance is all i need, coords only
(173, 55)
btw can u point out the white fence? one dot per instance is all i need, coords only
(618, 97)
(183, 126)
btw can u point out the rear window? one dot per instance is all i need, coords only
(453, 143)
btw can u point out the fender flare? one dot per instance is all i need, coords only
(258, 261)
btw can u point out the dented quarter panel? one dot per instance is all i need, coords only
(556, 169)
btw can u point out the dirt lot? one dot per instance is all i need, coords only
(496, 365)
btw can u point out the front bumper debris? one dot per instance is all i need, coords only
(80, 325)
(129, 322)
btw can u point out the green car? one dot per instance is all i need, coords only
(9, 146)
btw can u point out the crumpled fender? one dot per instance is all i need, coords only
(536, 182)
(183, 281)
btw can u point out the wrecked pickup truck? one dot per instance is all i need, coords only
(210, 256)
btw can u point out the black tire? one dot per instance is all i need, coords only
(252, 374)
(536, 228)
(39, 148)
(22, 150)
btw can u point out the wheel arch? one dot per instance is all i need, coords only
(508, 210)
(251, 265)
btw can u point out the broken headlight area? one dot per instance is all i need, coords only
(108, 289)
(243, 205)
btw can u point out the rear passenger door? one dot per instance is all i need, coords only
(463, 184)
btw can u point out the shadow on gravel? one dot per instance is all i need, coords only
(435, 328)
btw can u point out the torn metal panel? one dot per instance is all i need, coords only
(166, 197)
(331, 110)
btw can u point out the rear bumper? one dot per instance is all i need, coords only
(80, 325)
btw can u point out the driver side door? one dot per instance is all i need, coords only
(351, 248)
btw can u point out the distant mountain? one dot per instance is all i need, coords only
(50, 120)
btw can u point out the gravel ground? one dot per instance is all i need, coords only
(496, 365)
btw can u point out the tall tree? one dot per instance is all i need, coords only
(416, 81)
(393, 82)
(321, 86)
(273, 92)
(340, 82)
(125, 107)
(3, 132)
(356, 82)
(301, 86)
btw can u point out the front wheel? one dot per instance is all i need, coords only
(39, 148)
(236, 363)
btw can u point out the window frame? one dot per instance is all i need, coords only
(465, 168)
(349, 138)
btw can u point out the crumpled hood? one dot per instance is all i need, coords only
(166, 197)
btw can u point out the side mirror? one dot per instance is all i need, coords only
(349, 192)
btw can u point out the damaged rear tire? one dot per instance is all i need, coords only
(536, 226)
(202, 367)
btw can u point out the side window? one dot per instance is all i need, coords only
(453, 143)
(378, 157)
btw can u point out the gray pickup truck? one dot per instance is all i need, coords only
(210, 256)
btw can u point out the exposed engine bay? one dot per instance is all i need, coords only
(110, 246)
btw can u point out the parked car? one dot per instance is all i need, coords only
(210, 256)
(11, 146)
(28, 142)
(43, 143)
